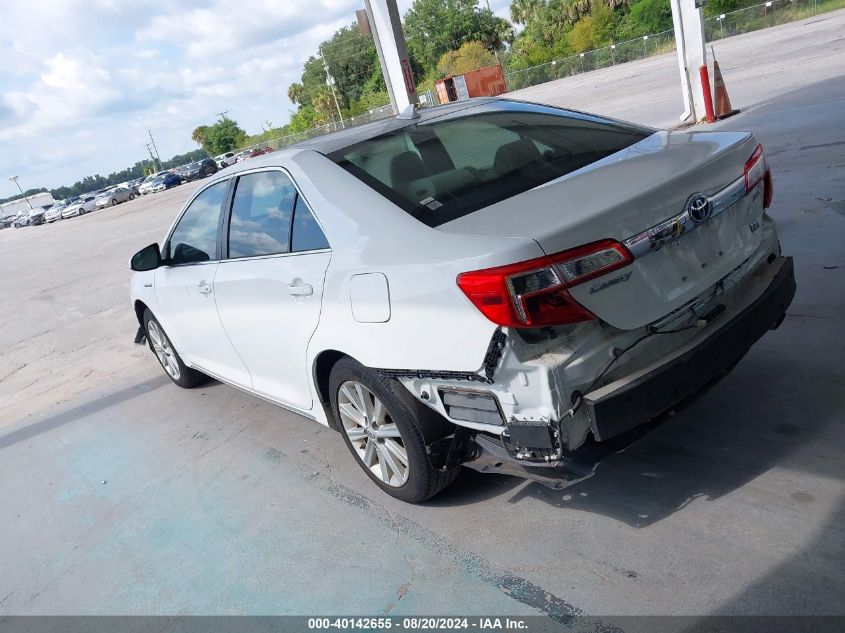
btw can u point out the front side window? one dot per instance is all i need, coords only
(448, 167)
(195, 237)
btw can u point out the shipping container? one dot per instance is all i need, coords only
(483, 82)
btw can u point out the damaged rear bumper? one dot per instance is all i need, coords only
(625, 404)
(619, 412)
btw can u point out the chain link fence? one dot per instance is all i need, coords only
(283, 141)
(764, 15)
(753, 18)
(618, 53)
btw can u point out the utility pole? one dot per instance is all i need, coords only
(15, 180)
(330, 82)
(496, 53)
(152, 158)
(152, 140)
(223, 114)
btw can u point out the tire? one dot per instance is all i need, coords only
(404, 422)
(131, 196)
(113, 202)
(167, 356)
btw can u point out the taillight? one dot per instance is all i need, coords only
(757, 169)
(535, 293)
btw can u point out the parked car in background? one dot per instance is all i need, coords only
(199, 169)
(226, 159)
(114, 196)
(84, 205)
(166, 181)
(259, 151)
(6, 221)
(133, 185)
(563, 280)
(243, 155)
(146, 186)
(36, 216)
(21, 219)
(55, 212)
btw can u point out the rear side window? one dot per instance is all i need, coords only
(445, 168)
(269, 217)
(307, 234)
(261, 215)
(195, 237)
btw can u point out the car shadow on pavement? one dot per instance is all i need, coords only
(809, 582)
(73, 414)
(715, 444)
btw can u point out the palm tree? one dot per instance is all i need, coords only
(522, 11)
(295, 92)
(198, 135)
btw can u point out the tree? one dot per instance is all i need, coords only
(223, 136)
(523, 11)
(469, 56)
(594, 30)
(433, 27)
(198, 135)
(647, 17)
(295, 91)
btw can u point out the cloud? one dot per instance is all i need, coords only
(80, 89)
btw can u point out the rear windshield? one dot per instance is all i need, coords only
(446, 168)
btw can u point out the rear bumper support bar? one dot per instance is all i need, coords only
(648, 395)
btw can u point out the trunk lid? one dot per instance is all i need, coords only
(626, 194)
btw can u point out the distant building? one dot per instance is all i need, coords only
(14, 207)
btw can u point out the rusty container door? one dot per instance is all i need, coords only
(486, 82)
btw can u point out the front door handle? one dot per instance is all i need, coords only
(299, 289)
(204, 288)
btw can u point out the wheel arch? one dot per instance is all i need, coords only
(323, 365)
(140, 308)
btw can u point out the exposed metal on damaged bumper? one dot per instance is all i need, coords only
(612, 411)
(621, 416)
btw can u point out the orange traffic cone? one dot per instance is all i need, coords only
(723, 102)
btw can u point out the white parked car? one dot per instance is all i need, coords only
(84, 205)
(226, 159)
(496, 284)
(114, 196)
(55, 211)
(147, 185)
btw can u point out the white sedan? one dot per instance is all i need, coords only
(491, 283)
(84, 205)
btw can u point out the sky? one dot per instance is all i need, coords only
(81, 81)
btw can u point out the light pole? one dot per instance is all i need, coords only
(152, 158)
(15, 180)
(152, 140)
(330, 82)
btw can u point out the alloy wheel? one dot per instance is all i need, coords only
(373, 434)
(163, 350)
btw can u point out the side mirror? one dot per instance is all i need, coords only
(148, 258)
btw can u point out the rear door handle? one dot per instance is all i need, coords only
(299, 289)
(204, 288)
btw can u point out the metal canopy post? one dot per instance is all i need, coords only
(689, 41)
(386, 27)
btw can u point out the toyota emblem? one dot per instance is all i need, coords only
(698, 207)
